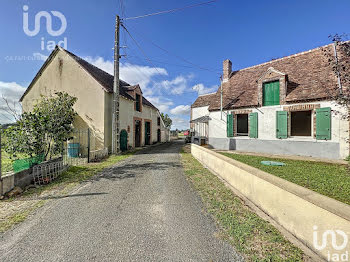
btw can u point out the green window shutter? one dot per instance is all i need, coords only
(323, 123)
(253, 125)
(282, 124)
(271, 93)
(229, 126)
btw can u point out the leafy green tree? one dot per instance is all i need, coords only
(43, 130)
(167, 120)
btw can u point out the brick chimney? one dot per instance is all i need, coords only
(227, 69)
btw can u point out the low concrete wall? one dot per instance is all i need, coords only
(297, 209)
(20, 179)
(321, 149)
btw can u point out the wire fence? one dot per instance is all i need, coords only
(82, 147)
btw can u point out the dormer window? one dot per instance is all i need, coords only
(138, 103)
(271, 93)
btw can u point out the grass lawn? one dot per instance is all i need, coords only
(253, 237)
(15, 210)
(331, 180)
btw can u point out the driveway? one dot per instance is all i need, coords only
(142, 209)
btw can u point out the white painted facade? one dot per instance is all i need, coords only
(267, 133)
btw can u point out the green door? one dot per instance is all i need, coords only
(123, 140)
(147, 133)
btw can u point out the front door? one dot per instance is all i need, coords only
(158, 135)
(137, 133)
(147, 133)
(123, 140)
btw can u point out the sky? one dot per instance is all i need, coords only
(175, 56)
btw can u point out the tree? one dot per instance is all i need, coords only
(42, 131)
(167, 120)
(341, 67)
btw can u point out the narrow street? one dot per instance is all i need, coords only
(142, 209)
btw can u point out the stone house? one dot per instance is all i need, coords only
(140, 120)
(284, 106)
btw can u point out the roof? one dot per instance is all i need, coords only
(202, 119)
(203, 100)
(309, 76)
(105, 79)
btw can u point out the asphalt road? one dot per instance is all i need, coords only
(142, 209)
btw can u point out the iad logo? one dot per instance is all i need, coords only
(335, 240)
(50, 45)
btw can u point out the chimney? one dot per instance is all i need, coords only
(227, 66)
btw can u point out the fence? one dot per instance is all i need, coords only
(47, 172)
(84, 146)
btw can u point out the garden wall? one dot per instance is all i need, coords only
(304, 213)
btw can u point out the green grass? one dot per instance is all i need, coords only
(60, 187)
(253, 237)
(77, 174)
(6, 162)
(332, 180)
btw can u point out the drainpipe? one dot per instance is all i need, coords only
(337, 68)
(221, 96)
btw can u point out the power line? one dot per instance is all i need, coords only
(137, 44)
(167, 63)
(170, 11)
(179, 57)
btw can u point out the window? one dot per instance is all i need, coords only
(138, 102)
(271, 93)
(301, 123)
(158, 121)
(242, 125)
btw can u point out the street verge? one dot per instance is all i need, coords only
(253, 237)
(15, 210)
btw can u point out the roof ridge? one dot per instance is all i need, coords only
(207, 94)
(285, 57)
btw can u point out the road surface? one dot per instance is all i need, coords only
(142, 209)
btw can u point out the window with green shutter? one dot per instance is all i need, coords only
(229, 126)
(323, 123)
(253, 125)
(281, 124)
(271, 93)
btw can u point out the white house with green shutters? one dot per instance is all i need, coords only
(285, 106)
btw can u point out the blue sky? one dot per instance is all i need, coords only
(246, 32)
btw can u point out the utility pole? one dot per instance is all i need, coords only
(115, 107)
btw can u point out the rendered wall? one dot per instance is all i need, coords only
(297, 209)
(267, 142)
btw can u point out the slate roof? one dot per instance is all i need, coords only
(104, 78)
(202, 119)
(203, 100)
(309, 75)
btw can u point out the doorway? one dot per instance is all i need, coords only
(147, 133)
(158, 136)
(137, 133)
(123, 140)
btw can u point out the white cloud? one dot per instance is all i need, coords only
(181, 110)
(180, 123)
(12, 92)
(177, 86)
(133, 74)
(161, 103)
(202, 90)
